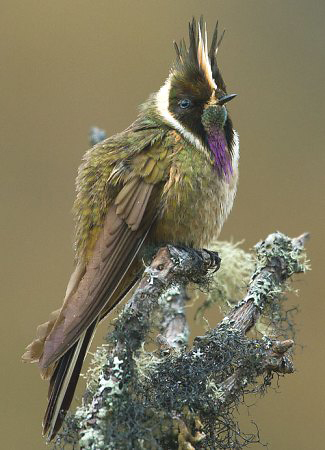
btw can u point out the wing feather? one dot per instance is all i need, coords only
(125, 168)
(115, 249)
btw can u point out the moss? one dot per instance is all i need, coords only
(186, 398)
(140, 413)
(237, 268)
(230, 282)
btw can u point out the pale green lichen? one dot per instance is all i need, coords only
(99, 359)
(145, 363)
(168, 294)
(216, 392)
(279, 246)
(231, 280)
(238, 267)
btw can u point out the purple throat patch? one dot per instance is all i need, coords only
(222, 159)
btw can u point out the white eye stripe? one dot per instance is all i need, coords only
(162, 99)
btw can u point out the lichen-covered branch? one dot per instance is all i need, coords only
(277, 258)
(171, 320)
(173, 397)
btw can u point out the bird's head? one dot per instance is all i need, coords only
(194, 96)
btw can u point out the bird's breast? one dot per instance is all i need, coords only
(195, 201)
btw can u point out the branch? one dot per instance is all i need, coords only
(174, 331)
(277, 260)
(174, 397)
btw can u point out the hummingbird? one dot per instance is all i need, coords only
(170, 177)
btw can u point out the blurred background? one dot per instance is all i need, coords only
(68, 65)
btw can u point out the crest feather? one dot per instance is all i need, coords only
(203, 57)
(198, 55)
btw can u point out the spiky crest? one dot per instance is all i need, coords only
(198, 57)
(194, 75)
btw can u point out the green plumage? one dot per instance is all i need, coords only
(103, 172)
(190, 197)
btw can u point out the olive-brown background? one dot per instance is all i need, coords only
(66, 65)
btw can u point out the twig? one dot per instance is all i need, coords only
(278, 259)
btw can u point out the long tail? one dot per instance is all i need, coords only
(63, 383)
(64, 380)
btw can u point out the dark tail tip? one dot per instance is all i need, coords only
(63, 385)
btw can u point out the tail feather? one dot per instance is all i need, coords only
(63, 383)
(64, 380)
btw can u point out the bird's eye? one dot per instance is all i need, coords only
(185, 103)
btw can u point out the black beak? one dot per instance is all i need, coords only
(226, 99)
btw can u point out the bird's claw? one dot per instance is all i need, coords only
(215, 260)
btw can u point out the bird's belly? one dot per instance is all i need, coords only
(194, 210)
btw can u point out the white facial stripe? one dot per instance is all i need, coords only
(235, 149)
(162, 101)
